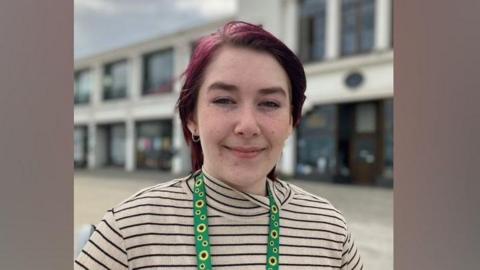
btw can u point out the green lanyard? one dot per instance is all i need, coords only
(202, 241)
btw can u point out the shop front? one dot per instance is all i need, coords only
(154, 149)
(80, 146)
(347, 142)
(111, 147)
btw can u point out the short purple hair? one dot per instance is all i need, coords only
(243, 35)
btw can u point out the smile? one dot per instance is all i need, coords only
(245, 152)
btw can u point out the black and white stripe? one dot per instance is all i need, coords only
(153, 229)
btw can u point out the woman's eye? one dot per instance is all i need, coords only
(223, 101)
(270, 104)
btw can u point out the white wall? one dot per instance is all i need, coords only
(265, 12)
(325, 83)
(325, 80)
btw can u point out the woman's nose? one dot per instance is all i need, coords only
(247, 124)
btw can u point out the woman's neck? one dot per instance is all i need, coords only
(258, 187)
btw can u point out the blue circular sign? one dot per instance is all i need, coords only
(354, 80)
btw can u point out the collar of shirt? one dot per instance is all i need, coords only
(228, 201)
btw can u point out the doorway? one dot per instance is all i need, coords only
(358, 142)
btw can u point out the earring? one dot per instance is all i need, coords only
(195, 138)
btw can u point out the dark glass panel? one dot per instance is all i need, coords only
(158, 72)
(115, 80)
(312, 30)
(358, 26)
(154, 145)
(83, 86)
(316, 145)
(388, 138)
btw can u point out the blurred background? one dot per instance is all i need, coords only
(129, 56)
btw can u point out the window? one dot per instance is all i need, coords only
(115, 80)
(317, 143)
(388, 139)
(158, 72)
(83, 86)
(117, 142)
(154, 149)
(80, 146)
(312, 30)
(357, 26)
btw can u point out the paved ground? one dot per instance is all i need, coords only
(368, 210)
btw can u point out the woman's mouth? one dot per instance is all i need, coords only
(245, 152)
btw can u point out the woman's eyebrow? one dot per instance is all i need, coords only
(223, 86)
(273, 90)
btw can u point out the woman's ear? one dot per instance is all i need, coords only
(192, 126)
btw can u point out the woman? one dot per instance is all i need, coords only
(242, 96)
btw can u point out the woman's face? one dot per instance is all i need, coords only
(243, 117)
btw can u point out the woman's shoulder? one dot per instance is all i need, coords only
(306, 201)
(302, 193)
(157, 194)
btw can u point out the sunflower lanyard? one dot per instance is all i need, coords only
(202, 242)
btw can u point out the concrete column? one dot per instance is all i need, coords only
(288, 160)
(266, 12)
(383, 24)
(332, 35)
(181, 58)
(290, 24)
(92, 140)
(130, 158)
(135, 83)
(97, 86)
(181, 159)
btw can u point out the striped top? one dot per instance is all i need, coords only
(153, 229)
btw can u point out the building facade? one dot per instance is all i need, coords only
(125, 98)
